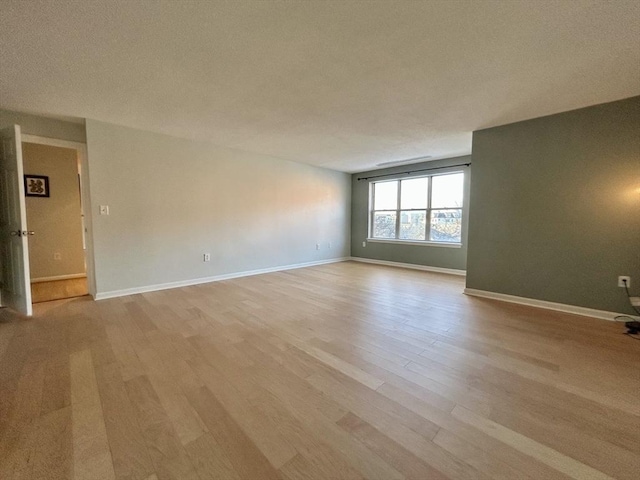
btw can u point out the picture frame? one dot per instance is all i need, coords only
(36, 186)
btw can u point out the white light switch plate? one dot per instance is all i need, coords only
(104, 209)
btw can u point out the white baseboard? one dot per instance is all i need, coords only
(58, 277)
(413, 266)
(558, 307)
(216, 278)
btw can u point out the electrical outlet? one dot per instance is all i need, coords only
(57, 256)
(207, 257)
(317, 246)
(621, 280)
(364, 244)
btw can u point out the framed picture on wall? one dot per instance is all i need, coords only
(36, 186)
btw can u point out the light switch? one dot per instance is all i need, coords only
(104, 209)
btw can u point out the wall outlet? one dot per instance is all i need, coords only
(57, 256)
(364, 244)
(104, 209)
(317, 246)
(207, 257)
(621, 280)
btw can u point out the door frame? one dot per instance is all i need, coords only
(81, 151)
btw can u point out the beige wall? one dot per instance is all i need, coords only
(171, 200)
(43, 126)
(56, 219)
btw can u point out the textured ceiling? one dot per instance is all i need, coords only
(344, 85)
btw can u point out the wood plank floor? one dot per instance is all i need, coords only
(341, 371)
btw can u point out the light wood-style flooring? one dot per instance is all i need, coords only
(341, 371)
(58, 289)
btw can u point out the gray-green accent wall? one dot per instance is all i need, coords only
(555, 207)
(426, 255)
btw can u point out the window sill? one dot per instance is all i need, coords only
(410, 242)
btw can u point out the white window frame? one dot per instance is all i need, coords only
(398, 211)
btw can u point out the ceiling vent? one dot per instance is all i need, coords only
(401, 162)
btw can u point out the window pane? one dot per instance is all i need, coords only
(385, 195)
(413, 193)
(446, 226)
(447, 191)
(384, 225)
(413, 225)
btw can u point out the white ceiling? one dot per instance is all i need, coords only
(340, 84)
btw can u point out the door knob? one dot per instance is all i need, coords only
(28, 233)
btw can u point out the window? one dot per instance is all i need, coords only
(424, 209)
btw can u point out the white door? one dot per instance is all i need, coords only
(15, 282)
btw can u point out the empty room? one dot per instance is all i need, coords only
(319, 239)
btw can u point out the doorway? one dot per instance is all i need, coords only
(57, 250)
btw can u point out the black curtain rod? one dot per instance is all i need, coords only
(414, 171)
